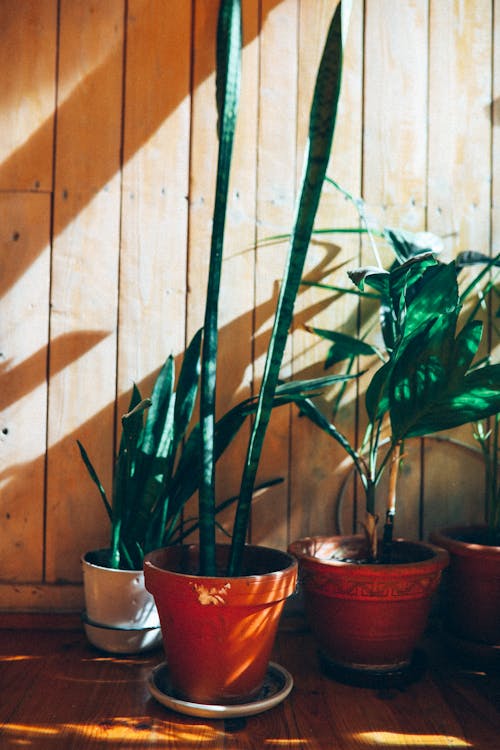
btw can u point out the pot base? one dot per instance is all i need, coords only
(124, 641)
(471, 654)
(277, 685)
(379, 677)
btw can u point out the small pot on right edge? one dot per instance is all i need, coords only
(471, 607)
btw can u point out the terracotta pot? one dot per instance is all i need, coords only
(218, 632)
(472, 591)
(367, 618)
(120, 615)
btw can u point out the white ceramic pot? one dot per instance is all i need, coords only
(120, 614)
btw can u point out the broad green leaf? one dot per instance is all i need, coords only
(407, 245)
(477, 397)
(435, 292)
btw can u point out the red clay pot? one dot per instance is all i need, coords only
(367, 618)
(218, 632)
(472, 607)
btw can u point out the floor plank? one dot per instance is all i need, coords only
(57, 691)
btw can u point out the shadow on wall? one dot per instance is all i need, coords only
(82, 509)
(95, 81)
(94, 101)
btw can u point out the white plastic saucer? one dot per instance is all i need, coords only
(277, 686)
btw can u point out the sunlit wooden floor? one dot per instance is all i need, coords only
(56, 691)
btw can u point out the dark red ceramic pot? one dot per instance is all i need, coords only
(367, 617)
(472, 593)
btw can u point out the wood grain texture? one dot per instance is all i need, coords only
(24, 319)
(318, 464)
(59, 692)
(28, 81)
(84, 281)
(107, 171)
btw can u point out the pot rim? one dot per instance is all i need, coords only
(85, 561)
(439, 558)
(248, 579)
(446, 538)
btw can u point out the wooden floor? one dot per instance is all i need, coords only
(56, 691)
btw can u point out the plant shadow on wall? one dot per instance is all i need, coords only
(90, 82)
(82, 508)
(91, 92)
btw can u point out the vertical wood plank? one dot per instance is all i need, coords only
(155, 189)
(25, 273)
(495, 127)
(27, 63)
(459, 174)
(27, 76)
(318, 465)
(459, 123)
(275, 203)
(395, 164)
(84, 278)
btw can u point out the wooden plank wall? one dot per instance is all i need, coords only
(107, 171)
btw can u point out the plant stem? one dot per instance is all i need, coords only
(391, 501)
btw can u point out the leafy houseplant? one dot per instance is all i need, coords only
(427, 382)
(230, 582)
(158, 468)
(472, 595)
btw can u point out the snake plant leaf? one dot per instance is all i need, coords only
(321, 129)
(135, 400)
(95, 479)
(153, 447)
(159, 487)
(160, 397)
(228, 73)
(187, 387)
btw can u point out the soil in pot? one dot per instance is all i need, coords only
(218, 632)
(367, 618)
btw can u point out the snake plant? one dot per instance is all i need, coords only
(322, 124)
(159, 466)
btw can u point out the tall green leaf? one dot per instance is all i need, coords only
(321, 129)
(228, 83)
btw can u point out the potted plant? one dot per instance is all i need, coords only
(219, 605)
(120, 615)
(158, 468)
(368, 599)
(471, 610)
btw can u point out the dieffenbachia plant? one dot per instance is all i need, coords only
(428, 379)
